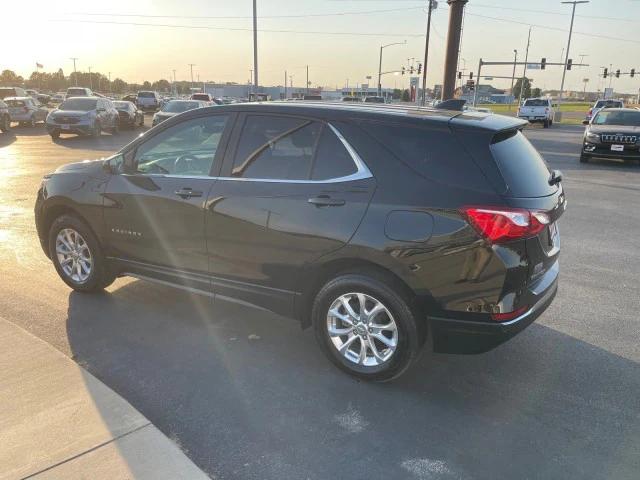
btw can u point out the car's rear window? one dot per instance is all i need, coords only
(146, 95)
(200, 96)
(15, 103)
(522, 167)
(608, 104)
(536, 102)
(79, 104)
(74, 92)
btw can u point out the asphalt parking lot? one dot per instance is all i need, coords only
(248, 395)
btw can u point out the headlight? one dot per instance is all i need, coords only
(593, 137)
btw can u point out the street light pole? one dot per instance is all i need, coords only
(75, 74)
(380, 64)
(426, 53)
(255, 47)
(513, 75)
(307, 88)
(566, 58)
(90, 80)
(191, 65)
(524, 70)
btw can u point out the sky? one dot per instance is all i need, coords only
(339, 39)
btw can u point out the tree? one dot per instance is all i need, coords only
(405, 95)
(526, 93)
(161, 85)
(9, 78)
(397, 93)
(536, 92)
(118, 85)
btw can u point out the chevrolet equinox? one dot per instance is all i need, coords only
(377, 226)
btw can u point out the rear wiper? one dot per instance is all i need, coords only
(556, 177)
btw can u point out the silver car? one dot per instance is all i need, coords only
(83, 116)
(5, 119)
(175, 107)
(26, 110)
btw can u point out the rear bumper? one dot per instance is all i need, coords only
(470, 337)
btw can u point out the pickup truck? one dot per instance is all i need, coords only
(600, 104)
(537, 110)
(148, 101)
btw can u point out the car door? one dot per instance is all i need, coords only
(154, 209)
(291, 190)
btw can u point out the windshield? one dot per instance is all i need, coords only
(74, 92)
(618, 117)
(536, 102)
(81, 104)
(179, 107)
(608, 104)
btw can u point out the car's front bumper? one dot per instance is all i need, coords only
(470, 337)
(83, 128)
(630, 152)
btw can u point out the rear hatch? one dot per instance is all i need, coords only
(519, 174)
(534, 108)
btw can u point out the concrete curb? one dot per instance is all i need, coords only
(59, 421)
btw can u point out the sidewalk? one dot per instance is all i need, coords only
(59, 421)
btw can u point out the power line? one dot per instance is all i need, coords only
(529, 10)
(238, 17)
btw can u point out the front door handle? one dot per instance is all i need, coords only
(188, 193)
(326, 201)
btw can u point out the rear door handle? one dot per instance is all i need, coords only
(188, 193)
(326, 201)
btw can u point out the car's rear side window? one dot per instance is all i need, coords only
(332, 159)
(522, 167)
(434, 153)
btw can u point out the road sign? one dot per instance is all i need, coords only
(414, 81)
(533, 66)
(608, 92)
(365, 87)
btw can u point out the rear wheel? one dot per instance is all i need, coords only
(584, 158)
(116, 128)
(97, 129)
(545, 124)
(5, 123)
(55, 135)
(366, 327)
(77, 256)
(32, 121)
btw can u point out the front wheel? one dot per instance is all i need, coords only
(97, 129)
(5, 125)
(545, 124)
(77, 255)
(365, 327)
(584, 158)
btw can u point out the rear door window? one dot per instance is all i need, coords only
(522, 167)
(279, 148)
(332, 159)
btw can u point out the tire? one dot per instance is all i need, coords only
(98, 276)
(141, 121)
(32, 121)
(55, 135)
(97, 130)
(584, 158)
(401, 347)
(116, 128)
(545, 124)
(5, 125)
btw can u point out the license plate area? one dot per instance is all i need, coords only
(617, 148)
(65, 127)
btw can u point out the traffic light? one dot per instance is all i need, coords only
(470, 75)
(632, 72)
(543, 64)
(618, 73)
(604, 74)
(471, 85)
(419, 68)
(569, 63)
(403, 70)
(459, 75)
(411, 70)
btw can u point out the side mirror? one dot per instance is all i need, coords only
(585, 122)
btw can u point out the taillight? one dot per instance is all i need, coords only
(590, 111)
(25, 109)
(546, 110)
(506, 316)
(499, 225)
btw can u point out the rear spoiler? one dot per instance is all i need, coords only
(454, 104)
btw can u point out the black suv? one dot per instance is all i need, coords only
(612, 133)
(378, 226)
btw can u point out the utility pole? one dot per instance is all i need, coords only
(566, 58)
(174, 83)
(75, 74)
(90, 80)
(255, 47)
(524, 70)
(456, 9)
(513, 76)
(191, 65)
(291, 84)
(110, 88)
(432, 6)
(307, 89)
(380, 64)
(285, 84)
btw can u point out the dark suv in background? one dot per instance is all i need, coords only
(378, 226)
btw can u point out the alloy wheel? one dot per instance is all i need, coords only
(74, 255)
(362, 329)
